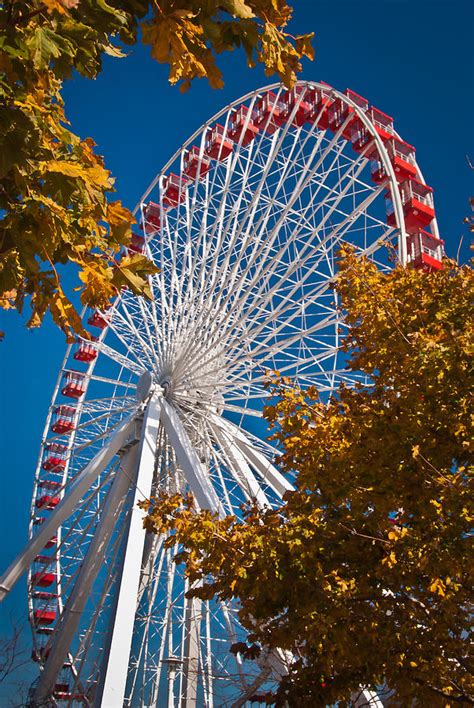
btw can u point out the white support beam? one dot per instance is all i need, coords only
(256, 459)
(90, 567)
(84, 480)
(188, 459)
(191, 652)
(117, 658)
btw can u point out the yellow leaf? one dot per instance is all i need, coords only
(238, 8)
(438, 587)
(57, 5)
(118, 215)
(303, 45)
(66, 316)
(113, 51)
(98, 175)
(390, 560)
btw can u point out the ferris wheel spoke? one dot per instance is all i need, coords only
(316, 294)
(320, 351)
(232, 408)
(264, 347)
(308, 242)
(297, 265)
(216, 232)
(147, 322)
(255, 458)
(347, 222)
(254, 202)
(302, 183)
(239, 467)
(261, 252)
(257, 197)
(96, 435)
(118, 358)
(297, 365)
(122, 324)
(156, 295)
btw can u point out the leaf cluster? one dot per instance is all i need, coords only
(54, 189)
(188, 34)
(55, 205)
(364, 573)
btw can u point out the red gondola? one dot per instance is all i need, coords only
(243, 126)
(43, 579)
(339, 112)
(97, 319)
(47, 502)
(218, 144)
(63, 419)
(74, 384)
(44, 617)
(417, 200)
(152, 215)
(304, 100)
(402, 157)
(55, 457)
(269, 112)
(174, 190)
(85, 352)
(195, 164)
(137, 244)
(322, 102)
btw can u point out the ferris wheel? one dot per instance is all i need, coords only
(244, 222)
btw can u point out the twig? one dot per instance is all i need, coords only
(353, 532)
(459, 248)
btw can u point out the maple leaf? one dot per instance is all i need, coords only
(303, 45)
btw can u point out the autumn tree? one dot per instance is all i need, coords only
(55, 192)
(364, 573)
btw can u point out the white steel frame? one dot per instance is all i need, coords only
(174, 403)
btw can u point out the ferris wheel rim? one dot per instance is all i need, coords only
(307, 83)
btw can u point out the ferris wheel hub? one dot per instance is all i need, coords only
(144, 386)
(166, 385)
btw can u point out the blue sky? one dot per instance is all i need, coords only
(411, 58)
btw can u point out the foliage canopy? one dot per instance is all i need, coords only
(55, 205)
(364, 573)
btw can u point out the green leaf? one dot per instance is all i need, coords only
(44, 48)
